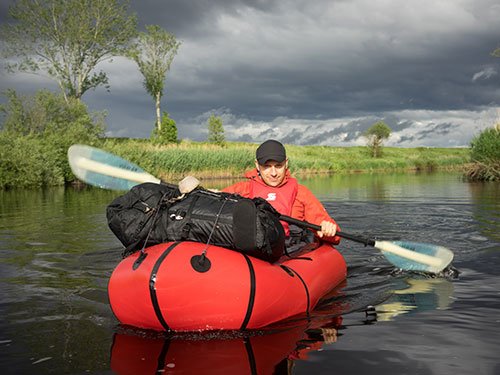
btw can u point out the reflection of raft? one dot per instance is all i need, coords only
(167, 290)
(260, 354)
(219, 353)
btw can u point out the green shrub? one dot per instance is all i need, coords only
(167, 133)
(485, 155)
(485, 147)
(36, 134)
(21, 163)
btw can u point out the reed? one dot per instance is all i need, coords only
(208, 160)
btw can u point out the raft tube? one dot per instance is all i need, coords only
(173, 287)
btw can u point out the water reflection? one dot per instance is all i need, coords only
(257, 352)
(486, 197)
(416, 295)
(385, 187)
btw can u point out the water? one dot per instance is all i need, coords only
(56, 255)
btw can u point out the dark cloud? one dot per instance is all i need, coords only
(191, 19)
(407, 139)
(336, 66)
(292, 136)
(437, 129)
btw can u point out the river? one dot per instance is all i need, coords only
(56, 256)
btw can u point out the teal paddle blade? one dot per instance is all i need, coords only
(102, 169)
(440, 257)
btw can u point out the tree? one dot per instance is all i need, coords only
(375, 135)
(167, 133)
(47, 114)
(154, 53)
(67, 39)
(216, 130)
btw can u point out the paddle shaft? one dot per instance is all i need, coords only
(385, 246)
(347, 236)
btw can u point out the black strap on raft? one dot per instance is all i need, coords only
(292, 273)
(251, 297)
(152, 282)
(139, 260)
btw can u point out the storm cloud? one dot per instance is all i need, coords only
(317, 72)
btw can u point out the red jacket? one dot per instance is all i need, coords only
(305, 207)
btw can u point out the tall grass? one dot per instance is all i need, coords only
(208, 160)
(175, 160)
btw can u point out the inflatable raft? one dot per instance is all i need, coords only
(188, 286)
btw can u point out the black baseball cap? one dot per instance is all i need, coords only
(270, 150)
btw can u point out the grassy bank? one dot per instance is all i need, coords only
(38, 130)
(207, 160)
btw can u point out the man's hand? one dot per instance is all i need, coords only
(328, 229)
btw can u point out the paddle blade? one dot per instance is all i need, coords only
(102, 169)
(414, 256)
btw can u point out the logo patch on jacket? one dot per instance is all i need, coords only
(271, 197)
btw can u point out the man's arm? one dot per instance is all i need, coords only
(307, 207)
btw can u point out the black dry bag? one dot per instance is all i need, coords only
(151, 213)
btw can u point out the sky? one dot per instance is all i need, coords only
(311, 72)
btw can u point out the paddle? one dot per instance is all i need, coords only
(102, 169)
(410, 256)
(99, 168)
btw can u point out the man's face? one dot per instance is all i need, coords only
(272, 172)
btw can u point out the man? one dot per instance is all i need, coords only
(272, 181)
